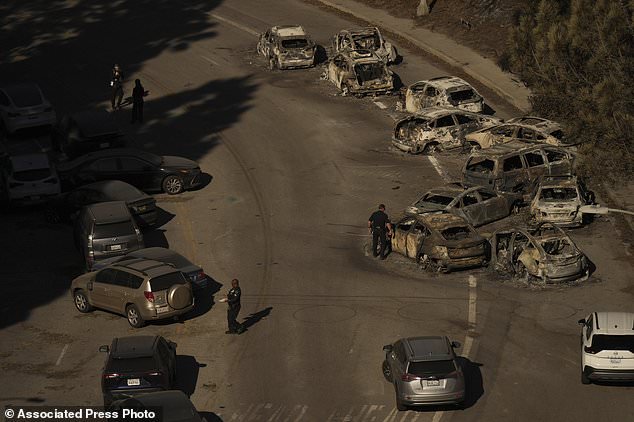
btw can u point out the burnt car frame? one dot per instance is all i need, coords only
(448, 91)
(558, 200)
(476, 205)
(359, 72)
(527, 129)
(437, 129)
(544, 252)
(368, 38)
(287, 47)
(439, 242)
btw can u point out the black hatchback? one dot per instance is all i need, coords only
(146, 171)
(86, 131)
(137, 365)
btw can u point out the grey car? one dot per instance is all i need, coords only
(105, 230)
(424, 371)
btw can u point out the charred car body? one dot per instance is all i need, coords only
(439, 242)
(525, 129)
(369, 38)
(476, 205)
(558, 200)
(359, 72)
(437, 128)
(449, 91)
(287, 47)
(544, 252)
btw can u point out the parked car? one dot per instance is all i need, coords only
(24, 106)
(195, 273)
(424, 371)
(524, 129)
(287, 47)
(437, 129)
(558, 200)
(141, 205)
(516, 167)
(141, 289)
(368, 38)
(137, 365)
(104, 230)
(359, 72)
(79, 133)
(175, 406)
(28, 179)
(146, 171)
(545, 253)
(439, 242)
(476, 205)
(448, 91)
(607, 347)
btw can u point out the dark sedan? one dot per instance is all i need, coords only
(86, 131)
(142, 206)
(146, 171)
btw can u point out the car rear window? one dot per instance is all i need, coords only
(137, 364)
(558, 194)
(480, 165)
(432, 367)
(463, 95)
(612, 342)
(31, 175)
(456, 233)
(166, 281)
(122, 228)
(295, 43)
(436, 199)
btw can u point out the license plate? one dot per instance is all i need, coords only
(432, 383)
(115, 247)
(104, 145)
(162, 310)
(615, 360)
(134, 381)
(142, 208)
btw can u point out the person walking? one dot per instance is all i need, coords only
(116, 83)
(380, 227)
(137, 101)
(233, 301)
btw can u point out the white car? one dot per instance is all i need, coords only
(29, 178)
(24, 106)
(445, 91)
(607, 347)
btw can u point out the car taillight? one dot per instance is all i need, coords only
(589, 350)
(155, 374)
(110, 376)
(149, 296)
(198, 276)
(409, 377)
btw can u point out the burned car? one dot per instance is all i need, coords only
(544, 252)
(449, 91)
(359, 72)
(525, 129)
(369, 38)
(558, 200)
(439, 242)
(287, 47)
(437, 129)
(476, 205)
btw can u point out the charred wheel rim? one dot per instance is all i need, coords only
(173, 185)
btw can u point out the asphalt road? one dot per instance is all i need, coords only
(295, 172)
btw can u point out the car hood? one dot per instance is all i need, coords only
(178, 162)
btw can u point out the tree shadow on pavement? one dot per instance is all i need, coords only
(204, 299)
(254, 318)
(187, 369)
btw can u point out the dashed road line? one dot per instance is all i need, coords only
(61, 355)
(434, 162)
(235, 24)
(472, 315)
(380, 105)
(207, 59)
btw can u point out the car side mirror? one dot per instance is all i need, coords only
(104, 349)
(387, 348)
(582, 322)
(455, 344)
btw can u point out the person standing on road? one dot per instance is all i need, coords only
(137, 101)
(233, 301)
(116, 83)
(380, 227)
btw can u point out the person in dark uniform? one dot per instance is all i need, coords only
(116, 83)
(137, 101)
(380, 227)
(233, 300)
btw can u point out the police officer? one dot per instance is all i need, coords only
(379, 226)
(116, 83)
(233, 300)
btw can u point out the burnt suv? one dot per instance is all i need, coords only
(137, 365)
(140, 289)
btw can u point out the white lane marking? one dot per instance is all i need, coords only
(473, 297)
(437, 416)
(207, 59)
(373, 407)
(390, 416)
(441, 172)
(236, 24)
(415, 418)
(380, 105)
(332, 415)
(61, 355)
(301, 414)
(276, 414)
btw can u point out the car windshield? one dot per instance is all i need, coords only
(456, 233)
(366, 42)
(121, 228)
(559, 247)
(295, 43)
(439, 368)
(369, 71)
(31, 175)
(462, 95)
(558, 194)
(435, 199)
(166, 281)
(480, 165)
(25, 95)
(612, 342)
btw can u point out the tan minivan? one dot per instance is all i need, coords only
(141, 289)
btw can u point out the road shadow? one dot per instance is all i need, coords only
(210, 417)
(162, 217)
(488, 110)
(254, 318)
(204, 299)
(474, 386)
(205, 180)
(187, 369)
(154, 237)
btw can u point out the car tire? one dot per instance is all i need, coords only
(81, 302)
(134, 316)
(400, 406)
(172, 185)
(584, 378)
(387, 372)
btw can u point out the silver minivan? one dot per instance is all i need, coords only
(105, 230)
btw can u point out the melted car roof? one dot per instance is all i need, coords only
(290, 31)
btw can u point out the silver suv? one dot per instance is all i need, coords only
(140, 289)
(424, 371)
